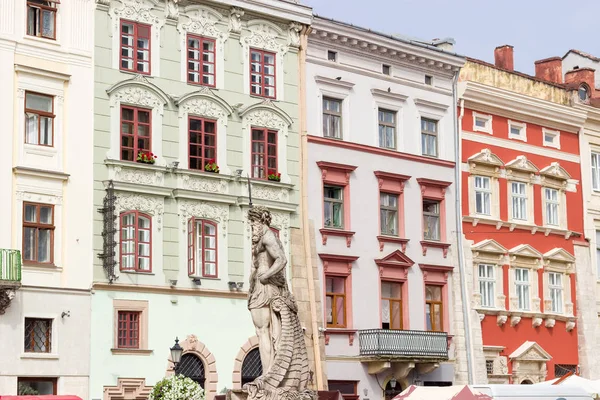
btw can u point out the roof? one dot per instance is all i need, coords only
(582, 54)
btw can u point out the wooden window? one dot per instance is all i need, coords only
(388, 212)
(136, 242)
(38, 233)
(41, 18)
(203, 142)
(39, 119)
(598, 254)
(596, 171)
(522, 286)
(348, 389)
(262, 73)
(332, 118)
(136, 132)
(518, 195)
(429, 138)
(36, 386)
(201, 60)
(387, 129)
(391, 305)
(38, 335)
(556, 291)
(135, 47)
(487, 284)
(128, 330)
(335, 297)
(333, 204)
(434, 308)
(202, 248)
(264, 152)
(483, 195)
(431, 220)
(552, 203)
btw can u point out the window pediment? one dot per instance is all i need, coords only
(202, 21)
(337, 263)
(396, 259)
(488, 250)
(267, 115)
(555, 172)
(525, 256)
(138, 11)
(264, 35)
(521, 166)
(560, 260)
(205, 103)
(530, 351)
(485, 157)
(139, 91)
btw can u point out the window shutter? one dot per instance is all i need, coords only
(191, 246)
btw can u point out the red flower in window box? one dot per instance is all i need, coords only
(274, 176)
(146, 157)
(211, 166)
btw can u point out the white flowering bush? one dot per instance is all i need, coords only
(177, 387)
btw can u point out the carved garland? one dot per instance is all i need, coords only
(137, 10)
(137, 95)
(201, 209)
(136, 175)
(204, 184)
(266, 118)
(263, 36)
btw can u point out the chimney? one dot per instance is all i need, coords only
(582, 75)
(503, 57)
(549, 69)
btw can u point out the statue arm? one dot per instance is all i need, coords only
(275, 250)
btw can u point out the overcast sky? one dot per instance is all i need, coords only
(536, 28)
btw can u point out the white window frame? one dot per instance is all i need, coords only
(482, 191)
(522, 130)
(521, 198)
(595, 166)
(555, 203)
(523, 288)
(487, 128)
(555, 135)
(598, 252)
(556, 291)
(487, 285)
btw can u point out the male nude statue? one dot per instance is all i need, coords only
(267, 281)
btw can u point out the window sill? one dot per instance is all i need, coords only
(522, 139)
(425, 244)
(340, 331)
(326, 232)
(512, 225)
(41, 40)
(263, 98)
(40, 356)
(132, 352)
(41, 267)
(136, 272)
(392, 239)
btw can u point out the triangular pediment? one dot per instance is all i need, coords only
(486, 156)
(560, 255)
(489, 246)
(555, 171)
(395, 259)
(521, 163)
(530, 351)
(525, 250)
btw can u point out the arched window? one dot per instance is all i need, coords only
(583, 93)
(526, 382)
(251, 367)
(192, 367)
(136, 242)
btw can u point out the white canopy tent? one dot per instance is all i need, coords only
(592, 387)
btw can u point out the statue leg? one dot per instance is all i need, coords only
(262, 322)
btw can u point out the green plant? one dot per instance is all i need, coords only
(146, 157)
(211, 166)
(274, 176)
(26, 390)
(176, 387)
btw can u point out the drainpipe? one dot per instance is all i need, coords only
(304, 225)
(459, 232)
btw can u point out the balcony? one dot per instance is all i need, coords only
(396, 344)
(10, 276)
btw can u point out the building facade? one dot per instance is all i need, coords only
(193, 100)
(46, 208)
(381, 177)
(523, 216)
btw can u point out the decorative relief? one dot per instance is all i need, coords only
(265, 119)
(6, 296)
(21, 93)
(550, 322)
(141, 176)
(570, 326)
(139, 96)
(204, 184)
(38, 198)
(152, 205)
(172, 9)
(536, 321)
(294, 34)
(502, 367)
(202, 22)
(514, 320)
(264, 36)
(235, 19)
(137, 10)
(204, 108)
(501, 319)
(270, 193)
(201, 209)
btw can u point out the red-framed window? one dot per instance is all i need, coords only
(262, 73)
(38, 233)
(264, 152)
(39, 119)
(202, 142)
(335, 299)
(128, 330)
(41, 18)
(136, 132)
(202, 248)
(348, 389)
(135, 47)
(136, 242)
(201, 60)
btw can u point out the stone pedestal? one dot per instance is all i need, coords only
(281, 394)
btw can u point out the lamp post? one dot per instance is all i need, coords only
(393, 383)
(176, 352)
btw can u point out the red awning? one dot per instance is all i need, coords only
(43, 397)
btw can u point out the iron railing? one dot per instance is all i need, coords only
(409, 344)
(10, 266)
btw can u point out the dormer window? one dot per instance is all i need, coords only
(583, 93)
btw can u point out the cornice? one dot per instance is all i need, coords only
(41, 173)
(141, 188)
(42, 72)
(431, 104)
(118, 287)
(286, 10)
(334, 82)
(389, 95)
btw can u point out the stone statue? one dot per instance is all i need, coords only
(172, 9)
(235, 19)
(275, 316)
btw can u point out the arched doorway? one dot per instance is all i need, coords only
(251, 366)
(526, 382)
(390, 392)
(192, 367)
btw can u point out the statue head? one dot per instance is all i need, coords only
(259, 214)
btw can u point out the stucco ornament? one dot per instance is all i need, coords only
(264, 36)
(274, 313)
(294, 34)
(137, 95)
(265, 118)
(136, 175)
(152, 205)
(137, 10)
(235, 19)
(203, 107)
(172, 9)
(201, 209)
(203, 22)
(204, 184)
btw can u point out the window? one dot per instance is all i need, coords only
(487, 283)
(489, 367)
(251, 366)
(429, 80)
(522, 285)
(136, 242)
(128, 330)
(202, 248)
(332, 118)
(203, 142)
(331, 55)
(434, 308)
(429, 137)
(551, 138)
(348, 389)
(386, 69)
(38, 233)
(387, 129)
(201, 60)
(482, 123)
(518, 195)
(36, 386)
(563, 369)
(583, 93)
(431, 220)
(333, 204)
(264, 152)
(192, 367)
(596, 171)
(517, 130)
(135, 132)
(391, 305)
(38, 335)
(39, 119)
(552, 203)
(41, 18)
(483, 195)
(388, 211)
(262, 73)
(598, 253)
(135, 47)
(556, 292)
(335, 297)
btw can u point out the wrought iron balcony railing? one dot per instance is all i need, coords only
(10, 266)
(403, 344)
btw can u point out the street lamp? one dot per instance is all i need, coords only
(393, 383)
(176, 352)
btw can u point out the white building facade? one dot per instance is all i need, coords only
(46, 209)
(381, 160)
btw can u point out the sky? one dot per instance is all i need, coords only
(536, 28)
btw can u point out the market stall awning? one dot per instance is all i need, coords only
(441, 393)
